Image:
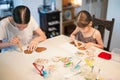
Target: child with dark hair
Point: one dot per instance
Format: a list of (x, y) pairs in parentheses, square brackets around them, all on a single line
[(19, 28), (85, 32)]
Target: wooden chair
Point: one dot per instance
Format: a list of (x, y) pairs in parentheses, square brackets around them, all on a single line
[(102, 26)]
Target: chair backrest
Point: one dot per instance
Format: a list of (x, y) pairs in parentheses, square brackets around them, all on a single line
[(103, 25)]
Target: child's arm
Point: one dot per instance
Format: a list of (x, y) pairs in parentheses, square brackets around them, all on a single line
[(99, 40), (72, 36), (13, 42), (34, 42)]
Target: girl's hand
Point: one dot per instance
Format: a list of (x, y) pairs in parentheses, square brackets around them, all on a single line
[(33, 45), (14, 41), (72, 37), (88, 45)]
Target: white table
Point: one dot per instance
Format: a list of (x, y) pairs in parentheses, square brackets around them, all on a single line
[(15, 65)]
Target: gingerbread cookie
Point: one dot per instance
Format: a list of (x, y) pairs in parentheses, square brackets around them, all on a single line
[(82, 48), (27, 51), (40, 49), (72, 42), (79, 44)]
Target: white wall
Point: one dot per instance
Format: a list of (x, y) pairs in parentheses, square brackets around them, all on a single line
[(17, 2), (93, 6), (114, 12)]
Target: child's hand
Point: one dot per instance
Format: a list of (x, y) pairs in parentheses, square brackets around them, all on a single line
[(33, 45), (88, 45), (72, 37), (14, 41)]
